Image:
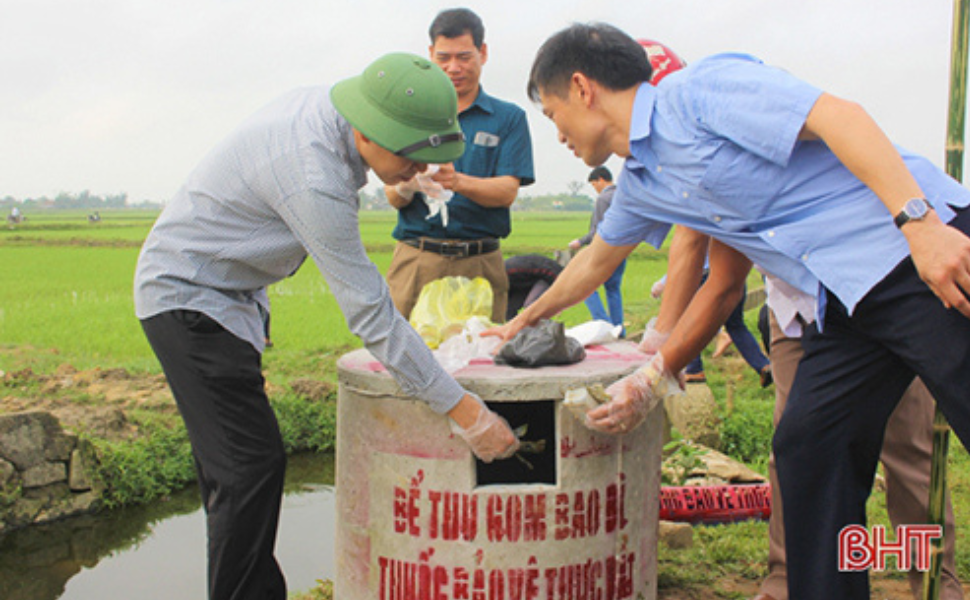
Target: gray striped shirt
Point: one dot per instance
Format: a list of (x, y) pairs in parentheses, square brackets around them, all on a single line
[(603, 202), (283, 185)]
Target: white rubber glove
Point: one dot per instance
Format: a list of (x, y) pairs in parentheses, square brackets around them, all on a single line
[(490, 437), (652, 339), (407, 189), (435, 195), (633, 397), (657, 289)]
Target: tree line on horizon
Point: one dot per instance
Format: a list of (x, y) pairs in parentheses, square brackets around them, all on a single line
[(572, 200)]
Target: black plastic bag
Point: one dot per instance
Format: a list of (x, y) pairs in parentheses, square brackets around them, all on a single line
[(544, 344)]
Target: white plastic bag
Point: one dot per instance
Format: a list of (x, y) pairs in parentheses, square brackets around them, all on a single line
[(459, 350), (591, 333)]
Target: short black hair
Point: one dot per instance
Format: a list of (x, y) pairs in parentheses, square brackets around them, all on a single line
[(456, 22), (600, 51), (600, 172)]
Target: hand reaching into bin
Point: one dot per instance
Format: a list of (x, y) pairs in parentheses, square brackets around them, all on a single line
[(652, 339), (487, 433), (633, 397)]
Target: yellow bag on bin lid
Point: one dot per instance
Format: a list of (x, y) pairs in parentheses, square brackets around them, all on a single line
[(445, 304)]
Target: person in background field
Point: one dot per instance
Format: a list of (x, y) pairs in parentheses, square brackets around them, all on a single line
[(485, 180), (602, 181), (284, 185), (15, 217), (908, 443), (804, 184)]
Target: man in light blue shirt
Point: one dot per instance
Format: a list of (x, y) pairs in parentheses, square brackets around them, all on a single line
[(282, 186), (808, 187)]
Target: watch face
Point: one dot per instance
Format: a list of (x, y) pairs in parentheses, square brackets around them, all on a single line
[(916, 208)]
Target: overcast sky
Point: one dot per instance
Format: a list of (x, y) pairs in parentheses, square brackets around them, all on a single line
[(127, 95)]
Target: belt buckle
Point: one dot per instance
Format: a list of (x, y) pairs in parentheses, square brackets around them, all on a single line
[(454, 249)]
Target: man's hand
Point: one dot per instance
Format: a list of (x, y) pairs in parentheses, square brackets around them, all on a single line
[(633, 397), (446, 176), (941, 253), (575, 245), (486, 433), (942, 257), (652, 339), (509, 330), (401, 195)]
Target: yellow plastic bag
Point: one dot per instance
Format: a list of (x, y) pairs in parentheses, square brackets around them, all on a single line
[(446, 304)]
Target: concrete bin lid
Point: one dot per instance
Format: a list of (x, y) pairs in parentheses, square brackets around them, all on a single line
[(603, 364)]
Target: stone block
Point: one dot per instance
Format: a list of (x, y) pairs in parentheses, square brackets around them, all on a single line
[(24, 435), (73, 505), (676, 536), (59, 445), (24, 510), (7, 472), (81, 470), (695, 415), (44, 474)]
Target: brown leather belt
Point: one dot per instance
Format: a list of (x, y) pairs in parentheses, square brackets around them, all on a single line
[(455, 248)]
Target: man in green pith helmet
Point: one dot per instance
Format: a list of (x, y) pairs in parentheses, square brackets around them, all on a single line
[(285, 185)]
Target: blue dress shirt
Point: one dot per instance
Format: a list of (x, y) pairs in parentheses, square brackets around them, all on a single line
[(715, 147)]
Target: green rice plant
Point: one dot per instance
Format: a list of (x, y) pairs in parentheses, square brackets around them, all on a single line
[(76, 300)]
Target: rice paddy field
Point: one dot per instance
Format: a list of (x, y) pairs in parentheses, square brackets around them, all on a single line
[(66, 289)]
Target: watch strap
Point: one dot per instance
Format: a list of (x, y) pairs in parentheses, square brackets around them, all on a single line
[(905, 216)]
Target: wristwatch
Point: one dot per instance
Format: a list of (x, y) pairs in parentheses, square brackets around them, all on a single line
[(914, 210)]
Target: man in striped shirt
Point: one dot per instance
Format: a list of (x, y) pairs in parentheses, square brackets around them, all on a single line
[(285, 185)]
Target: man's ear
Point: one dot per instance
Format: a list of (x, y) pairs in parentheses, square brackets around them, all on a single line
[(484, 53), (361, 141), (584, 87)]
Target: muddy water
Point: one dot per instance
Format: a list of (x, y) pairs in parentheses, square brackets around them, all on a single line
[(158, 551)]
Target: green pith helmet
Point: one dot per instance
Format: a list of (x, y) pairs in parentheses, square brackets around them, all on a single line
[(405, 104)]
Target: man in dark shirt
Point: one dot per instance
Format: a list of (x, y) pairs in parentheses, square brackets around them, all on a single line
[(463, 239)]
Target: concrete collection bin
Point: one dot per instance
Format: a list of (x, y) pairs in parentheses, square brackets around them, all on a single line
[(419, 518)]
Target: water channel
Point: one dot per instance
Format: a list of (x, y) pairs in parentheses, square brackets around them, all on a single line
[(157, 552)]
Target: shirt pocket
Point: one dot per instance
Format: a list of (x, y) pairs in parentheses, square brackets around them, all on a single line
[(740, 187)]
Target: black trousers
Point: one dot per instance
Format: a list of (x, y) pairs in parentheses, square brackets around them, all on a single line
[(217, 382), (847, 385)]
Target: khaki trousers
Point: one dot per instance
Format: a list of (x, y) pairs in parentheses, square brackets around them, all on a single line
[(906, 456), (412, 269)]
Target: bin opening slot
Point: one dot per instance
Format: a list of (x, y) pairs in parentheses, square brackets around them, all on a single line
[(536, 460)]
